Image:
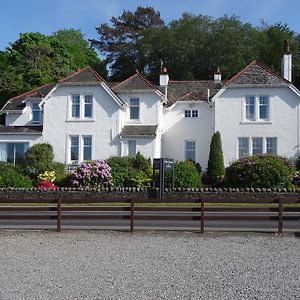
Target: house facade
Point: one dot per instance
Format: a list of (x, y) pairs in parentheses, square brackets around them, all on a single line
[(84, 117)]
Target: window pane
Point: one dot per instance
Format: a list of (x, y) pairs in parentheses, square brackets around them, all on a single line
[(263, 107), (272, 145), (190, 150), (88, 106), (35, 113), (243, 147), (195, 113), (87, 148), (74, 147), (250, 108), (21, 148), (3, 151), (75, 106), (11, 153), (257, 146), (134, 109), (131, 147), (187, 113)]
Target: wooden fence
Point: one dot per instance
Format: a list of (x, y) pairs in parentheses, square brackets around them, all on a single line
[(135, 205)]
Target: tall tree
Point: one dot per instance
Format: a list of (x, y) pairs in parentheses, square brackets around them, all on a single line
[(119, 41)]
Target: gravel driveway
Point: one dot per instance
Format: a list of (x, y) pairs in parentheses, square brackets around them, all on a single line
[(148, 265)]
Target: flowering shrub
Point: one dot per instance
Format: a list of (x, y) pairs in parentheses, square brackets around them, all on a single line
[(47, 176), (92, 174), (47, 184), (260, 171)]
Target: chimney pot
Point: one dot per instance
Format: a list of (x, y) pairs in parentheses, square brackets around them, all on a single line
[(286, 62), (217, 76)]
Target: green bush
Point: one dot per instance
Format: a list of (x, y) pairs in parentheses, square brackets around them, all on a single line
[(297, 163), (10, 176), (260, 171), (131, 171), (38, 159), (215, 168), (187, 175)]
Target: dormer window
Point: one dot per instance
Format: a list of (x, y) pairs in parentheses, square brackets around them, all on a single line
[(36, 113), (134, 109)]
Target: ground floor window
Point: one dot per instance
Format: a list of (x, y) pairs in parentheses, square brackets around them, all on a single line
[(80, 148), (131, 147), (190, 150), (13, 152), (256, 145)]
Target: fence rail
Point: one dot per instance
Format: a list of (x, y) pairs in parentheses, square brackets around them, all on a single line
[(179, 206)]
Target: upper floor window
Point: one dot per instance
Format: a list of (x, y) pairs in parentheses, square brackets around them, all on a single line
[(191, 113), (257, 108), (263, 107), (36, 113), (134, 109), (190, 150), (88, 106), (75, 106), (250, 108), (81, 107), (131, 147)]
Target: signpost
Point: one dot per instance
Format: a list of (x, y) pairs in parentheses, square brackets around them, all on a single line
[(162, 165)]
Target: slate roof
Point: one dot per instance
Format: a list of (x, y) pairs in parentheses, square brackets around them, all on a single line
[(21, 129), (85, 75), (135, 82), (195, 90), (139, 130), (16, 103), (257, 73)]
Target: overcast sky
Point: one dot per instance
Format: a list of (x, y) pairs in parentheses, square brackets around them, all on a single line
[(47, 16)]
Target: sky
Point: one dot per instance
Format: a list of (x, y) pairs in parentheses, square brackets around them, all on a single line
[(47, 16)]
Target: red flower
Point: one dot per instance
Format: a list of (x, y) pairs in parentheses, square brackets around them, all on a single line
[(46, 184)]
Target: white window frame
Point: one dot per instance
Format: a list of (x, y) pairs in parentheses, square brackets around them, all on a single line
[(82, 104), (134, 106), (134, 143), (248, 150), (186, 150), (187, 113), (256, 118), (195, 113), (38, 110), (81, 147)]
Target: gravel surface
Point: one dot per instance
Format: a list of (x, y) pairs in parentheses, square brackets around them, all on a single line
[(148, 265)]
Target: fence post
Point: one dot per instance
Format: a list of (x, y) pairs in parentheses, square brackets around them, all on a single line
[(132, 216), (280, 210), (202, 216), (58, 215)]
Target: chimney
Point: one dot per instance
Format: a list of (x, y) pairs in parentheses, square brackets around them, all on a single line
[(286, 62), (217, 77), (164, 79)]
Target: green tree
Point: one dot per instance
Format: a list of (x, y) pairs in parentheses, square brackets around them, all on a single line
[(119, 41), (215, 167)]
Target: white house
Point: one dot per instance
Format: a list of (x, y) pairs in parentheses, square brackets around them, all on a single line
[(84, 117)]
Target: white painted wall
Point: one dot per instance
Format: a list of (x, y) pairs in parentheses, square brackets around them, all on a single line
[(177, 129), (284, 120), (32, 139), (150, 107), (104, 126), (144, 146)]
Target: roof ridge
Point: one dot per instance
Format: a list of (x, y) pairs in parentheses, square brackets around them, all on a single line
[(79, 71), (31, 91)]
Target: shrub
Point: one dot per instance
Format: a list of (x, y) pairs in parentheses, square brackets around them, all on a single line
[(215, 168), (186, 175), (92, 174), (297, 163), (260, 171), (38, 159), (10, 176), (131, 171)]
